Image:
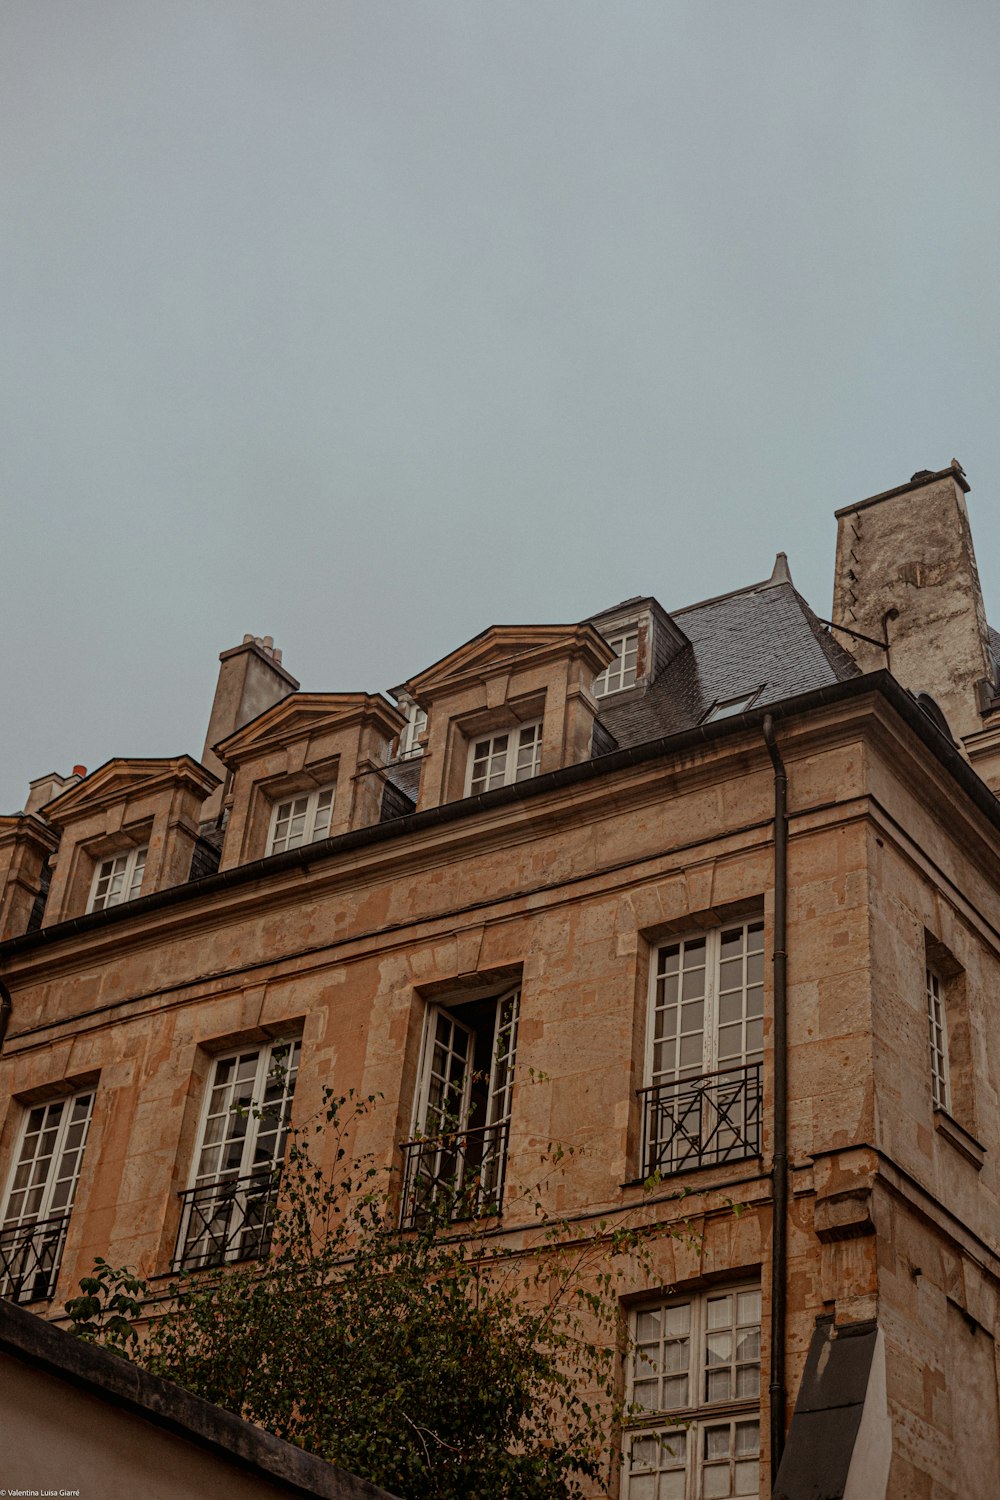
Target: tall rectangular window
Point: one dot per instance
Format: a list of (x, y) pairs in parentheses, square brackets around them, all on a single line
[(498, 759), (457, 1158), (705, 1046), (228, 1209), (40, 1196), (696, 1362), (117, 879), (621, 672), (938, 1028), (301, 820)]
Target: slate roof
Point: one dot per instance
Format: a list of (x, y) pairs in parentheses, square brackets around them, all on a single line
[(763, 637)]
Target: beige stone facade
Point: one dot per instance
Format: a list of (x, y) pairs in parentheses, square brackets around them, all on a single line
[(588, 853)]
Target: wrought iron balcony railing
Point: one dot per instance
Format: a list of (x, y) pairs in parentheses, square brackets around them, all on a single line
[(454, 1176), (702, 1121), (29, 1258), (227, 1219)]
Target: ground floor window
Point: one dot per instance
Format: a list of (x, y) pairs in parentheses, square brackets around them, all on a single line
[(694, 1394)]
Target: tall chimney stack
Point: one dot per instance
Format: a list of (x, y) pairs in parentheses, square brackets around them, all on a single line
[(251, 678), (906, 574)]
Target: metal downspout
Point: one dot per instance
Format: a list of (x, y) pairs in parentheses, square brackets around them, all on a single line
[(6, 1006), (779, 1171)]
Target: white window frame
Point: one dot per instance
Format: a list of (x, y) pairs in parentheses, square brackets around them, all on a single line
[(409, 739), (122, 874), (519, 760), (67, 1122), (438, 1152), (671, 1458), (937, 1021), (702, 1094), (622, 672), (256, 1179), (717, 1017), (316, 815)]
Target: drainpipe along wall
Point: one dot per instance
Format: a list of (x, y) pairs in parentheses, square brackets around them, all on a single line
[(779, 1243), (6, 1006)]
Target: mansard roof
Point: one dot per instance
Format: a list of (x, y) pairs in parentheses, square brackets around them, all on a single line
[(300, 715), (763, 639), (500, 646), (123, 777)]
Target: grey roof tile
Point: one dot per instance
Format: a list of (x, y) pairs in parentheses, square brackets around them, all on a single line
[(765, 637)]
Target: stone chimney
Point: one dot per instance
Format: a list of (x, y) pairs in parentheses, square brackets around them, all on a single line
[(906, 575), (44, 788), (251, 678)]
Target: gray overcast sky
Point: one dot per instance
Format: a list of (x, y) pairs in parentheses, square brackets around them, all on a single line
[(366, 325)]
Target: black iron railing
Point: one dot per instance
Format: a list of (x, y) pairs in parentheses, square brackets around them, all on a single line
[(700, 1122), (229, 1218), (454, 1176), (29, 1258)]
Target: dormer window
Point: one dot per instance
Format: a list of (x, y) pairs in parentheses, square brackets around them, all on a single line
[(499, 759), (621, 672), (117, 879), (725, 708), (409, 740), (301, 820)]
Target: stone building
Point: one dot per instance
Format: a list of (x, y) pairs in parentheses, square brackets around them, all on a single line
[(711, 894)]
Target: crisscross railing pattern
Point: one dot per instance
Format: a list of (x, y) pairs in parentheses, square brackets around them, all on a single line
[(700, 1122), (459, 1175), (228, 1219), (30, 1256)]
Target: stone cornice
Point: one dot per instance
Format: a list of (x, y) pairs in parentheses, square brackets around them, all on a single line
[(506, 648), (30, 829), (122, 778), (301, 715), (826, 715)]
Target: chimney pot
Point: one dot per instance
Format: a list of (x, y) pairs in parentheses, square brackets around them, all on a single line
[(80, 771)]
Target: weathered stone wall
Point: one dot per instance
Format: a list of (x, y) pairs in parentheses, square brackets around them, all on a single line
[(571, 890)]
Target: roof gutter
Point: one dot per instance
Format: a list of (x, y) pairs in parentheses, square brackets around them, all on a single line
[(702, 735)]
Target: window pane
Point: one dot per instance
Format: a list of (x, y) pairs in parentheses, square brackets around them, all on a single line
[(677, 1318), (647, 1326), (748, 1307)]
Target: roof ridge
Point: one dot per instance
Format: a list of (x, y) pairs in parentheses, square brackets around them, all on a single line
[(749, 588)]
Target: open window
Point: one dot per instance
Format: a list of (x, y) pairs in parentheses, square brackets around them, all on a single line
[(456, 1161), (727, 708), (227, 1211), (40, 1196), (409, 744)]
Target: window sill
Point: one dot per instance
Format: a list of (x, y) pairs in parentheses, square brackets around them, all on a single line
[(963, 1142)]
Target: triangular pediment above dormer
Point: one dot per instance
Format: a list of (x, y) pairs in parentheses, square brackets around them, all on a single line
[(302, 715), (502, 647), (118, 780)]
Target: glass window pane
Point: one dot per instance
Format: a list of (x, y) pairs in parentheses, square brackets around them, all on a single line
[(720, 1312), (747, 1438), (715, 1483), (717, 1442), (748, 1307), (677, 1318), (647, 1326)]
